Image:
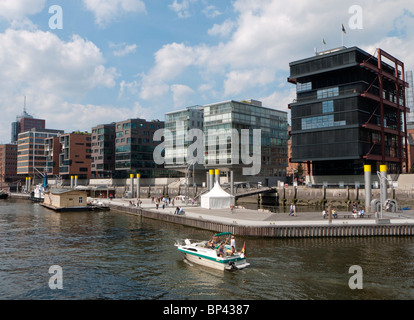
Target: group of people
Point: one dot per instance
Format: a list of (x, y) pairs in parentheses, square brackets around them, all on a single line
[(221, 246), (325, 213), (135, 204), (357, 213), (179, 210), (164, 201)]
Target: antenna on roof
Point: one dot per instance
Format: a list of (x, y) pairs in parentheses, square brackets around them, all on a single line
[(24, 106)]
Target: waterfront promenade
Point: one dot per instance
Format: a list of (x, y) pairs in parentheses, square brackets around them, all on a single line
[(246, 217), (245, 222)]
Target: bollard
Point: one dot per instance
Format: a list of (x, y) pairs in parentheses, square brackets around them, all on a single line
[(217, 172), (211, 172), (368, 184), (384, 186), (138, 185), (131, 185)]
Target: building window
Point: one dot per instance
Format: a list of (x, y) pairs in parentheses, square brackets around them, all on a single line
[(302, 87), (328, 93), (327, 106), (80, 200), (321, 122)]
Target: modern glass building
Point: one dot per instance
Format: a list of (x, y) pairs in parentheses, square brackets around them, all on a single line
[(103, 150), (350, 110), (227, 119), (179, 123), (134, 148)]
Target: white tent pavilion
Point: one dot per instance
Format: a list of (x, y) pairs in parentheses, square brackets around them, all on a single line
[(217, 198)]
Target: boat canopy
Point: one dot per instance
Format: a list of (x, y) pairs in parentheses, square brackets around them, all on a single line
[(222, 234)]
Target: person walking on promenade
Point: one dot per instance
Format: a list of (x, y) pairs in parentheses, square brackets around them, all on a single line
[(292, 210)]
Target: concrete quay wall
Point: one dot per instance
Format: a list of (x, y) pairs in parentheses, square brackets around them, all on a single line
[(276, 231)]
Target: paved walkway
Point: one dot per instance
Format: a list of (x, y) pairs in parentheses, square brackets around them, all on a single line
[(259, 218)]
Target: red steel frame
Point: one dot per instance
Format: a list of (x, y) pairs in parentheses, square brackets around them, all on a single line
[(401, 109)]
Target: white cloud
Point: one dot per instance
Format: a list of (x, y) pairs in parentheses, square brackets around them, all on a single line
[(239, 81), (106, 11), (47, 70), (266, 35), (181, 94), (279, 99), (18, 9), (211, 11), (223, 30), (72, 116), (42, 61), (170, 61), (181, 8), (122, 49)]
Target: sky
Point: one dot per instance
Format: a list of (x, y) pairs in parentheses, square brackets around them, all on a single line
[(81, 63)]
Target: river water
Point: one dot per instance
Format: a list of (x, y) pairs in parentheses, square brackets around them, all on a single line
[(109, 255)]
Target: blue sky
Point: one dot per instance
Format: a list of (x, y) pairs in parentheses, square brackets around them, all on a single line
[(119, 59)]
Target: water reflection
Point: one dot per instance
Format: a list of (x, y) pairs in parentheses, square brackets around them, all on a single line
[(109, 255)]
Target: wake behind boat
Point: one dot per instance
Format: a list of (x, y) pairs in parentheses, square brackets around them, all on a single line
[(214, 254)]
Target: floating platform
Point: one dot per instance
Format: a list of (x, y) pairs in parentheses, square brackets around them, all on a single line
[(71, 209)]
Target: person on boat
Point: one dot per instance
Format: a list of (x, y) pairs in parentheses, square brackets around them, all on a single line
[(220, 250), (209, 244), (215, 242), (233, 242), (231, 252)]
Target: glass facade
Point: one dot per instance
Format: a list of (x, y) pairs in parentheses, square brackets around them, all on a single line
[(229, 118), (179, 123), (134, 148)]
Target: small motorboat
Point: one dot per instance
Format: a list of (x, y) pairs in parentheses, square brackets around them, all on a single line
[(38, 194), (208, 253)]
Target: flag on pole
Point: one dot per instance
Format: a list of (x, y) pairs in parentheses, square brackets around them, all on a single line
[(343, 29), (323, 41), (244, 249)]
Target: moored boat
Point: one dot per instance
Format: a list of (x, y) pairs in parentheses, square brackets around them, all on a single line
[(214, 254), (38, 194), (3, 194)]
